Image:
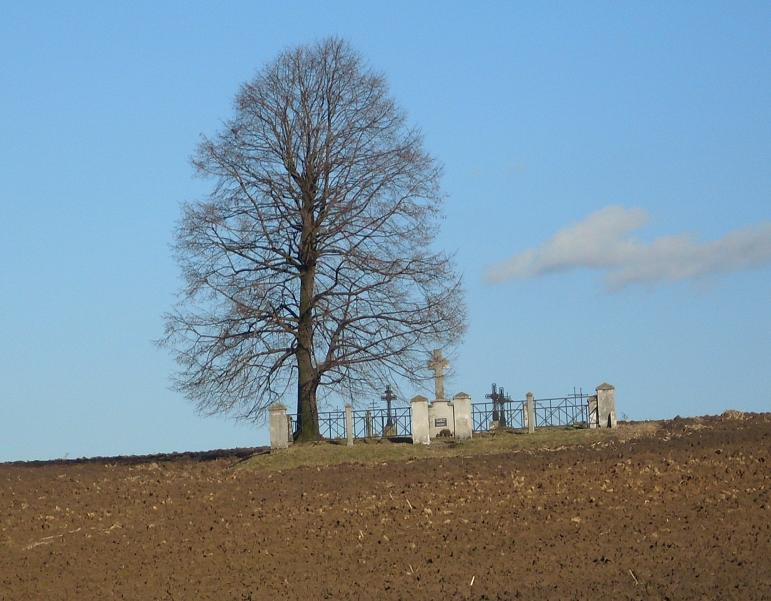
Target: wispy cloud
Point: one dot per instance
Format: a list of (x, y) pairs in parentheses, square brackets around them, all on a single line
[(604, 242)]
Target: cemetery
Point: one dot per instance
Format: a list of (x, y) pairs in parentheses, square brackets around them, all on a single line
[(458, 418), (544, 188)]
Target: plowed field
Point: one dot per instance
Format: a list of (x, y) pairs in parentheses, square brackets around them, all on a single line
[(677, 510)]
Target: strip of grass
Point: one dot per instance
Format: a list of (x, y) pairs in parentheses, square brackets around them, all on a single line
[(374, 451)]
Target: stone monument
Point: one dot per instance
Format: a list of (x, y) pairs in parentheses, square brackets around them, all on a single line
[(440, 412), (441, 417)]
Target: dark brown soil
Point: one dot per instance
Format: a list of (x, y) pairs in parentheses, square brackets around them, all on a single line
[(681, 514)]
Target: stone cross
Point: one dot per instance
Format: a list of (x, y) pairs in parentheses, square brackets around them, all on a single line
[(438, 364)]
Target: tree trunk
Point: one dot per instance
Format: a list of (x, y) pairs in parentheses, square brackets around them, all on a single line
[(307, 378), (307, 410), (307, 381)]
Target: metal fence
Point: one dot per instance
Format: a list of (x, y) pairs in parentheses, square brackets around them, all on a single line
[(567, 410), (377, 423), (514, 414), (332, 424), (481, 416), (367, 423), (507, 414), (562, 411)]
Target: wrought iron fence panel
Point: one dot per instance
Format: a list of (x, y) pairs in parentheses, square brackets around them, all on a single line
[(367, 423), (363, 425), (561, 411), (484, 414), (376, 423), (481, 416), (514, 414), (558, 411), (332, 424), (402, 421)]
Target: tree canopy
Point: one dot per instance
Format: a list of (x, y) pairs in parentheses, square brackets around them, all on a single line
[(309, 266)]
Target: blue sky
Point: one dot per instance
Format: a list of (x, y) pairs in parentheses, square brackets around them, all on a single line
[(544, 116)]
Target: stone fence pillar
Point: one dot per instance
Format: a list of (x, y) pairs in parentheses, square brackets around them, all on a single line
[(420, 422), (349, 424), (279, 426), (530, 412), (591, 410), (606, 405), (461, 402), (369, 424)]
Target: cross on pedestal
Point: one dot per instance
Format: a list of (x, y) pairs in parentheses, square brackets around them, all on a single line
[(388, 396), (438, 364)]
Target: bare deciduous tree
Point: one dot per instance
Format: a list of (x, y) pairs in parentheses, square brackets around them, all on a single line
[(309, 263)]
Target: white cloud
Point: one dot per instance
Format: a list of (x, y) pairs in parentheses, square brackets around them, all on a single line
[(603, 241)]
